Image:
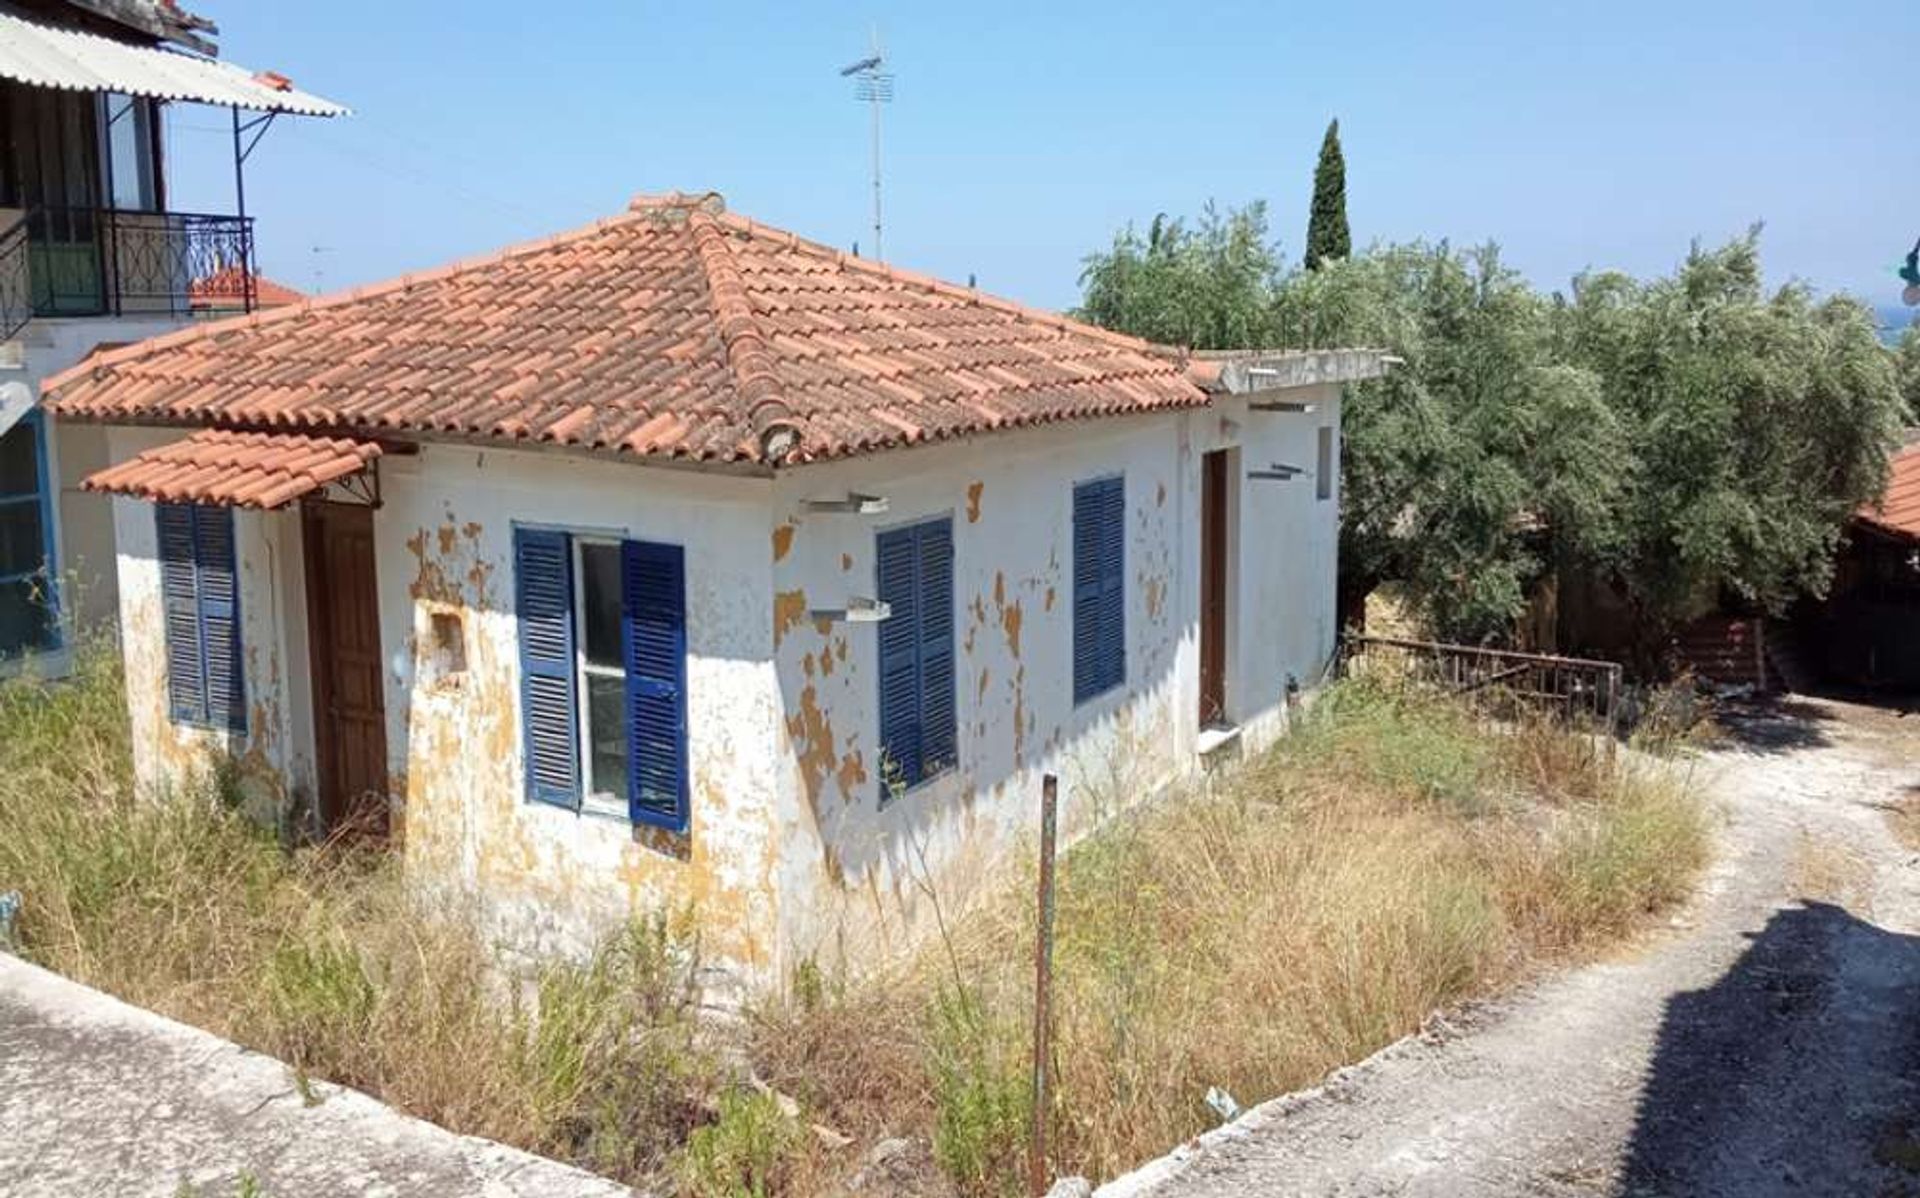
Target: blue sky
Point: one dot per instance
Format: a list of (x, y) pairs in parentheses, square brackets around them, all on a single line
[(1023, 134)]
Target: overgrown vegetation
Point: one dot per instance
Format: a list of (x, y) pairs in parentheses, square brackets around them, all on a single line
[(1391, 857), (323, 958), (1673, 439)]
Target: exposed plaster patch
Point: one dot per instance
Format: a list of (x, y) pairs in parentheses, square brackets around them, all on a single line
[(846, 562), (1050, 598), (973, 501), (783, 541), (789, 608)]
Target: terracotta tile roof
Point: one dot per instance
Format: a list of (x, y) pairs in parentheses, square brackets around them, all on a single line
[(675, 329), (1899, 508), (223, 289), (257, 470)]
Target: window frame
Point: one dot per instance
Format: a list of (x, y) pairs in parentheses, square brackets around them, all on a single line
[(237, 716), (48, 571), (916, 529), (1326, 463), (633, 807), (592, 798), (1092, 690)]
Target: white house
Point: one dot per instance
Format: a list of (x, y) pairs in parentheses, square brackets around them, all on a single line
[(93, 250), (679, 561)]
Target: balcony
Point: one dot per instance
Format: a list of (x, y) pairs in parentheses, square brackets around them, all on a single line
[(110, 262)]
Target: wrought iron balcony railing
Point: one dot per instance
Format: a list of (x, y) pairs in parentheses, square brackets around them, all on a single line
[(103, 261), (16, 293)]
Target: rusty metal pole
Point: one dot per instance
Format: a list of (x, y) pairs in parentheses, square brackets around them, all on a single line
[(1042, 987)]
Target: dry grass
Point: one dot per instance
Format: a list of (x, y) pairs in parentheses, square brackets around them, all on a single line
[(323, 958), (1390, 858)]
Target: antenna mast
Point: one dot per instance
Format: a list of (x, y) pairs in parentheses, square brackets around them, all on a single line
[(873, 84)]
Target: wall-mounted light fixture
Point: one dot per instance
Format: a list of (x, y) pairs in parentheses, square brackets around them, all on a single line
[(859, 610), (854, 504), (1278, 472)]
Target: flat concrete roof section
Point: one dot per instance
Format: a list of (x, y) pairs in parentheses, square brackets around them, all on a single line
[(105, 1099)]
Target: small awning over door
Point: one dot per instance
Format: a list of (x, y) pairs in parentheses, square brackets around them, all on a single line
[(236, 469)]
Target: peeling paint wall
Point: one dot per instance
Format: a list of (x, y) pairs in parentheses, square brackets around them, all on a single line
[(861, 876), (444, 546), (792, 852), (271, 765)]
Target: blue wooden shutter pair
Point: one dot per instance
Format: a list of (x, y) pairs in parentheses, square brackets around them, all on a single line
[(918, 725), (654, 643), (200, 601), (1099, 587)]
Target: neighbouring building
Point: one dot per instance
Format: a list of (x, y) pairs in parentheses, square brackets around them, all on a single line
[(677, 561), (93, 251), (1866, 630)]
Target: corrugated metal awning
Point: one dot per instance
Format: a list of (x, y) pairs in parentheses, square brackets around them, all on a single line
[(235, 469), (47, 56)]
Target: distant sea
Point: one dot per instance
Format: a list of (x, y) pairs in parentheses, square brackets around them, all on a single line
[(1893, 320)]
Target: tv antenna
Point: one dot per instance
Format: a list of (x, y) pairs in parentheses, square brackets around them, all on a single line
[(873, 84)]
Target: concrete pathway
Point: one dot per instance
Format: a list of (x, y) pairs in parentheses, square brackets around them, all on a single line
[(1767, 1043), (99, 1099)]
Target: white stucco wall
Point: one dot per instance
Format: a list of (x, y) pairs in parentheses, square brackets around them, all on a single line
[(791, 853), (444, 543), (274, 778), (858, 876)]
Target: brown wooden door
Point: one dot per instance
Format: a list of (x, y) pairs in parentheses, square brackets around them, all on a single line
[(343, 629), (1213, 588)]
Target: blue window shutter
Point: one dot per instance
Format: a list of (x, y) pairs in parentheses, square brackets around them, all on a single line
[(900, 715), (937, 719), (219, 614), (543, 594), (180, 610), (654, 640), (1113, 585), (1099, 587)]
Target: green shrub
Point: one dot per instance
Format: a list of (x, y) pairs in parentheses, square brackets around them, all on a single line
[(749, 1151)]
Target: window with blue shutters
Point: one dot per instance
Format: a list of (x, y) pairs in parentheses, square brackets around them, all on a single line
[(1099, 587), (200, 601), (918, 724), (603, 674)]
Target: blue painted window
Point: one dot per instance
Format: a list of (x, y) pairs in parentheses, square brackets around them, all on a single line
[(918, 732), (603, 693), (1099, 587), (200, 601), (28, 618)]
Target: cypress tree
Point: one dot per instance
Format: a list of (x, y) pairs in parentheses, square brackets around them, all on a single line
[(1327, 233)]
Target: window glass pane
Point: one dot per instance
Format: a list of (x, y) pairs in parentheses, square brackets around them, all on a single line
[(607, 734), (19, 461), (130, 142), (24, 623), (20, 549), (600, 601)]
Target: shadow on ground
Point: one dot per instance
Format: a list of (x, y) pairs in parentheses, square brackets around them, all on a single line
[(1798, 1072), (1776, 724)]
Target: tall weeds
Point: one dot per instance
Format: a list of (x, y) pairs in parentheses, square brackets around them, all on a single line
[(1389, 857)]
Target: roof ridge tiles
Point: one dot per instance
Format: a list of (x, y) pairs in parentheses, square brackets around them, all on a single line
[(755, 378)]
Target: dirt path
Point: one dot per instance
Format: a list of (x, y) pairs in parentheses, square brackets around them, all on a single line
[(1767, 1043)]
